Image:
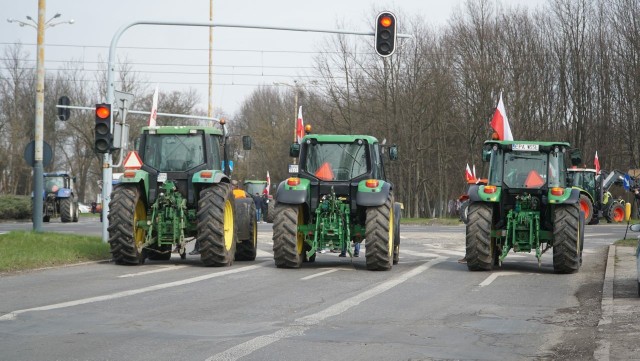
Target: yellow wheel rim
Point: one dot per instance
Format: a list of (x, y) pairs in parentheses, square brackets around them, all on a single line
[(228, 225), (300, 235), (139, 233)]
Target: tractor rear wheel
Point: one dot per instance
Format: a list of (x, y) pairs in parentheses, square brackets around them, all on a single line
[(587, 208), (480, 247), (216, 229), (66, 210), (271, 211), (247, 239), (288, 242), (615, 213), (126, 208), (397, 214), (380, 235), (566, 238)]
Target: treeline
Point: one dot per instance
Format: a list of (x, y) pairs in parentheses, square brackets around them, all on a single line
[(569, 71)]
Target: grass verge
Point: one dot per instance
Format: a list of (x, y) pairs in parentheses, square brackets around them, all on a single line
[(629, 242), (23, 250)]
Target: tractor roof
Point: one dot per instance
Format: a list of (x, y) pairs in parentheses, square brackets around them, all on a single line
[(337, 138), (590, 170), (182, 129)]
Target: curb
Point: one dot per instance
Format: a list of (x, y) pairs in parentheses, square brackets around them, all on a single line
[(603, 350)]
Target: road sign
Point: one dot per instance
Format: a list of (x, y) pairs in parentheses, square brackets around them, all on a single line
[(30, 153)]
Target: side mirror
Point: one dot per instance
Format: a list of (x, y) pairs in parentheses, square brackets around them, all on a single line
[(294, 151), (136, 144), (246, 142), (393, 152), (486, 155)]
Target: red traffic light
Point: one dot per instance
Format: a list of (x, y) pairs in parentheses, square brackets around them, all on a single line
[(103, 112), (385, 21)]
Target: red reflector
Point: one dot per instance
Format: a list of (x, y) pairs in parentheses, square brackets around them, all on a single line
[(372, 183), (102, 112), (206, 174), (293, 181), (129, 174), (490, 189), (557, 191)]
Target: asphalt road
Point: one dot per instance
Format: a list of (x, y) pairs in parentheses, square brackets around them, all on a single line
[(427, 307)]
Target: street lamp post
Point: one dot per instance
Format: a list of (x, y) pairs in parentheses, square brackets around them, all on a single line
[(38, 167)]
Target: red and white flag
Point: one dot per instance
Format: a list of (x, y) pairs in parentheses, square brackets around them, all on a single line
[(268, 183), (469, 175), (500, 122), (154, 109), (596, 161), (299, 126), (474, 172)]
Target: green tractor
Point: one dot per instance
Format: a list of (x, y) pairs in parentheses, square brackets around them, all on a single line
[(254, 187), (339, 195), (596, 201), (181, 194), (525, 206)]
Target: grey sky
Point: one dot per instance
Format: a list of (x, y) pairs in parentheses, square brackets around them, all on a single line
[(242, 57)]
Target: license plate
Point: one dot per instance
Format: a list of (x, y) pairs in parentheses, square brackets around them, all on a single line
[(526, 147), (293, 168), (162, 177)]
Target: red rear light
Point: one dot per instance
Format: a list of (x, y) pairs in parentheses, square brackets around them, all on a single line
[(294, 181), (206, 174), (372, 183), (129, 174), (490, 189), (557, 191)]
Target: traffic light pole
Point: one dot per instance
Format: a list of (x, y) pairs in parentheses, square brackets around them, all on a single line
[(107, 170)]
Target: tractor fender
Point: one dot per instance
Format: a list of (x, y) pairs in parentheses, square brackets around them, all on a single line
[(473, 193), (574, 197), (210, 177), (293, 194), (140, 176), (369, 197)]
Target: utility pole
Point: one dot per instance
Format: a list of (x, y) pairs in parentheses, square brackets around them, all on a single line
[(38, 166)]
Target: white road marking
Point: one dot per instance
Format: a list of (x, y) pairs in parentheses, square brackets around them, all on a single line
[(495, 275), (320, 274), (302, 324), (162, 269), (13, 314)]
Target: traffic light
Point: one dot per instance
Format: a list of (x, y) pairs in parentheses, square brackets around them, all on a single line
[(64, 113), (385, 33), (104, 138)]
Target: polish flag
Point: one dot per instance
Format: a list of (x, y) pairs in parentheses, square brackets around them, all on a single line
[(268, 183), (154, 109), (596, 161), (500, 122), (469, 175), (299, 126)]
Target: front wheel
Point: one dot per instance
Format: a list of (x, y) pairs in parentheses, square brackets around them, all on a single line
[(66, 210), (379, 236), (615, 213), (288, 242), (216, 226), (587, 207), (126, 239)]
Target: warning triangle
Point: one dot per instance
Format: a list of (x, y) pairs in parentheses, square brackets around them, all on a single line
[(132, 161), (534, 180)]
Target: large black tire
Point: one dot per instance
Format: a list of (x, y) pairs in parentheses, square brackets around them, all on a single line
[(66, 210), (271, 211), (587, 207), (464, 212), (480, 247), (379, 235), (247, 229), (397, 213), (288, 243), (566, 238), (76, 212), (125, 238), (615, 212), (217, 234)]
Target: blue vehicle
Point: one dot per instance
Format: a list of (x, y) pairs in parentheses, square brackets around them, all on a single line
[(60, 199)]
